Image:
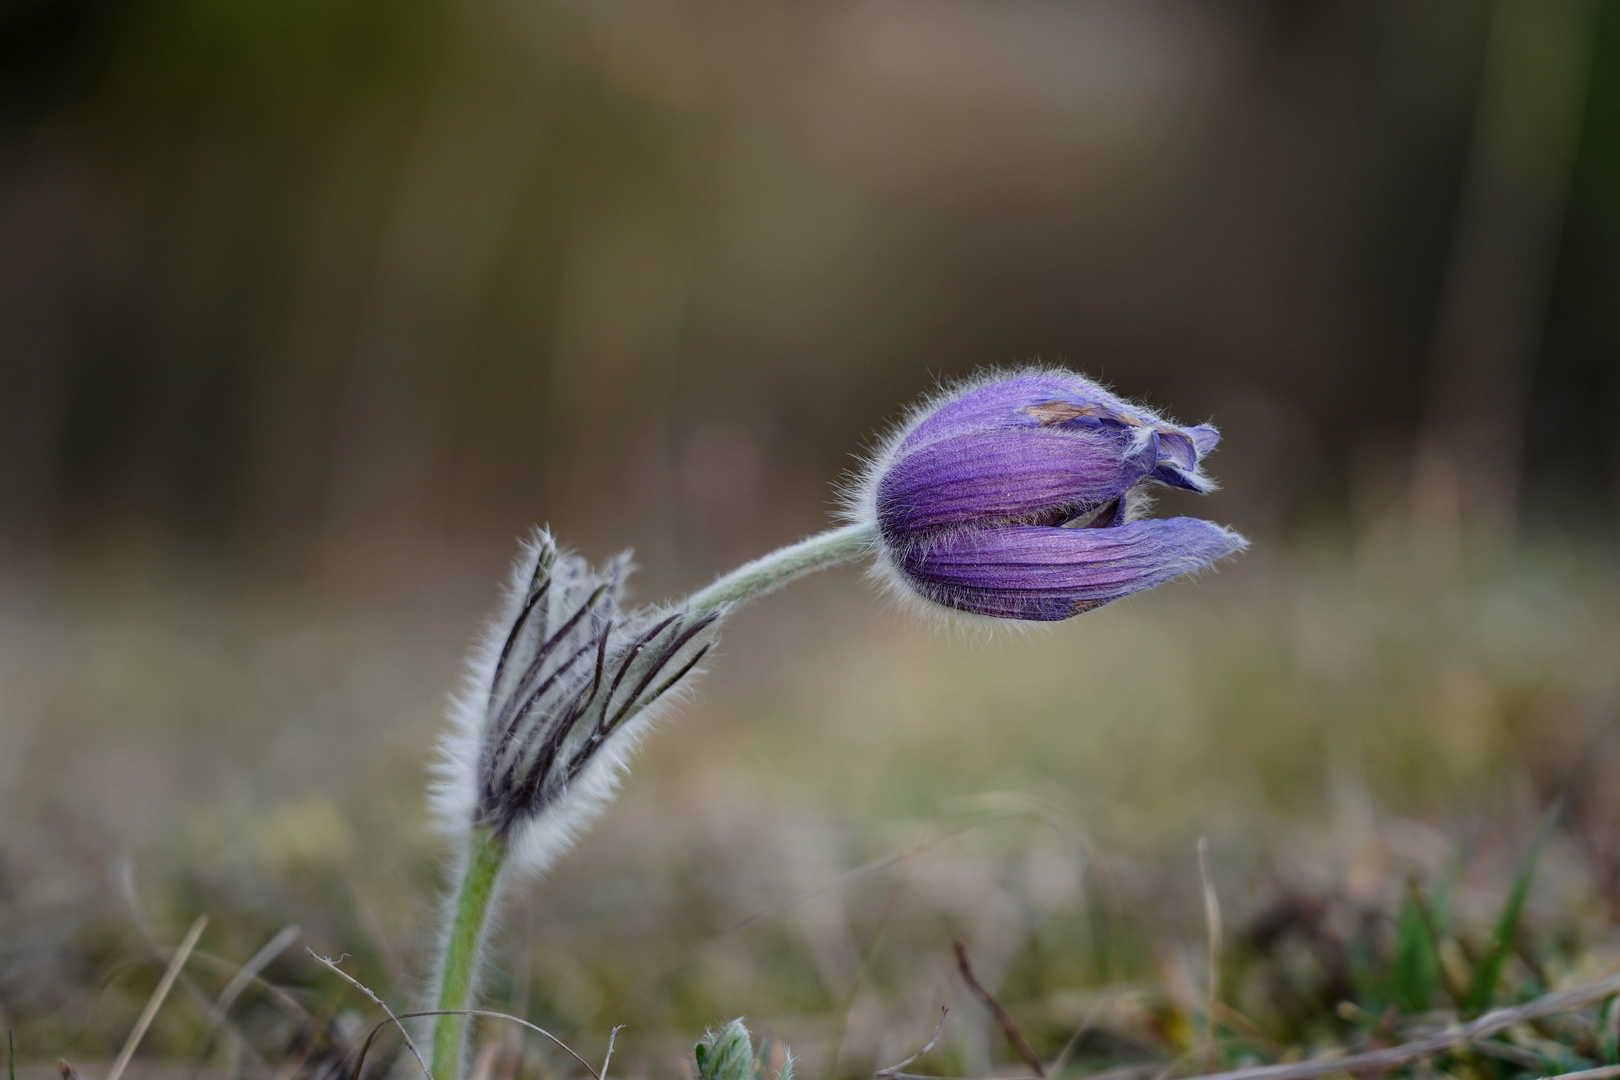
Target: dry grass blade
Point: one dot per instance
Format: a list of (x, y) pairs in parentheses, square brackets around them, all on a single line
[(608, 1057), (247, 973), (297, 1062), (1005, 1021), (155, 1002), (1501, 1051), (366, 1047), (1248, 1030), (1212, 921), (240, 980), (939, 1029), (1081, 1029), (1492, 1022), (381, 1004), (201, 957)]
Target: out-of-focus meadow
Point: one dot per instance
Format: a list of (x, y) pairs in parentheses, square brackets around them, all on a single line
[(307, 310)]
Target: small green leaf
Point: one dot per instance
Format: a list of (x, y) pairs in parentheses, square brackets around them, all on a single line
[(1489, 972), (1416, 969)]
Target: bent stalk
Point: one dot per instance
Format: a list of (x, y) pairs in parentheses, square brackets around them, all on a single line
[(783, 565)]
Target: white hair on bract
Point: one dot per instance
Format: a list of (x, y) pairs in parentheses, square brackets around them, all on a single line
[(536, 838)]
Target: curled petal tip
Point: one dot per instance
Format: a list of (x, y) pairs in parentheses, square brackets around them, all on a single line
[(1205, 438)]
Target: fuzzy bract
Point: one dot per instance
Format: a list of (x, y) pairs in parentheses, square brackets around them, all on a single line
[(556, 696), (1019, 497), (728, 1054)]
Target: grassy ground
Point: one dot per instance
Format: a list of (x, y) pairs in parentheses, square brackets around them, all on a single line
[(1367, 740)]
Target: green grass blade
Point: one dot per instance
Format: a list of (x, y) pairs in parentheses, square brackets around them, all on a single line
[(1415, 973), (11, 1057), (1489, 971), (762, 1060)]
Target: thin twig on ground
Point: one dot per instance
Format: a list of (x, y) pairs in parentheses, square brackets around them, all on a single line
[(1492, 1022), (1008, 1028), (365, 1047), (939, 1029), (1122, 1072), (381, 1004), (155, 1002)]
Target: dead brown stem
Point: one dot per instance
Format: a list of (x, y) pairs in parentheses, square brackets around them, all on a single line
[(1008, 1028)]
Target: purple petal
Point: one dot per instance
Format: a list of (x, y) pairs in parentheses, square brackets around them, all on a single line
[(1028, 401), (1046, 574), (1064, 402), (1000, 476), (1177, 449), (1204, 438)]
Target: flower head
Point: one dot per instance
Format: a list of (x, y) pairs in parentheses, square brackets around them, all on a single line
[(556, 696), (1019, 497)]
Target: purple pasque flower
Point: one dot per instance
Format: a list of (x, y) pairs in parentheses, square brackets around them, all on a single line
[(1020, 497)]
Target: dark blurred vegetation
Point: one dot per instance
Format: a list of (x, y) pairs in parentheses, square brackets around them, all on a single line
[(306, 309), (288, 282)]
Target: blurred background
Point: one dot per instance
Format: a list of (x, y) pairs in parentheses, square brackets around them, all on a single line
[(308, 309)]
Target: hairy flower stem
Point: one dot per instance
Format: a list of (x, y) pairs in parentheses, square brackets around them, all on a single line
[(783, 565), (485, 854)]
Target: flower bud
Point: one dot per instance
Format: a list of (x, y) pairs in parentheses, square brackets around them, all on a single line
[(1020, 497), (728, 1054), (556, 696)]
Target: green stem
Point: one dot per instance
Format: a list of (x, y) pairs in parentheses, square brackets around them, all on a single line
[(485, 855), (783, 565)]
